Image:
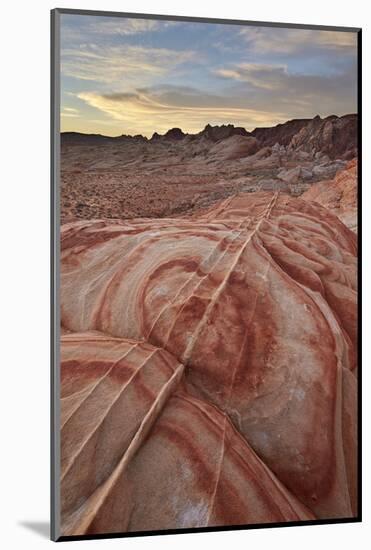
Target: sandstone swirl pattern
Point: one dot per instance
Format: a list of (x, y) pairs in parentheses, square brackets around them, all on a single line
[(208, 368)]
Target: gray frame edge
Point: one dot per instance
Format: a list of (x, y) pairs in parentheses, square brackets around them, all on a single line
[(308, 26), (54, 282)]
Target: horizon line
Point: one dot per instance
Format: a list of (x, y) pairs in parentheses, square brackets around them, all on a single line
[(208, 124)]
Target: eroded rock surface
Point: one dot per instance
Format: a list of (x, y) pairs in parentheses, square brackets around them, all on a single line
[(209, 368), (141, 453), (339, 194)]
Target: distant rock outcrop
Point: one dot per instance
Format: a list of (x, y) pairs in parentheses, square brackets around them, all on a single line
[(79, 138), (217, 133), (334, 136), (175, 134), (209, 368), (282, 133)]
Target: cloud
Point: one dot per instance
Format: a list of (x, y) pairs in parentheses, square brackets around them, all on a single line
[(123, 26), (279, 40), (84, 28), (114, 64), (70, 112), (299, 95), (128, 27), (278, 78), (265, 76), (147, 110)]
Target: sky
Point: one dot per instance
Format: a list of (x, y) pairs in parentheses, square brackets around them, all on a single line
[(139, 76)]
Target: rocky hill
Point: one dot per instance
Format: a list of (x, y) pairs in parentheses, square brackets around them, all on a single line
[(281, 134), (333, 136), (130, 176)]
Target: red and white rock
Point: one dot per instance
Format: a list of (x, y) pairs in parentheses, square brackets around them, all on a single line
[(338, 195), (211, 379)]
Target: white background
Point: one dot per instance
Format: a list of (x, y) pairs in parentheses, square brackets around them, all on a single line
[(24, 218)]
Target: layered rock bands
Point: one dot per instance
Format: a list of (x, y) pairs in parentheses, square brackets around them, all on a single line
[(208, 368)]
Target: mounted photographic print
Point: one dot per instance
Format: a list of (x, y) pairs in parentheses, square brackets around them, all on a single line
[(204, 274)]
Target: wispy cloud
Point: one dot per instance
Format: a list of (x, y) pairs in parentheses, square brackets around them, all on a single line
[(295, 93), (70, 112), (279, 78), (147, 110), (77, 28), (129, 27), (124, 27), (270, 40), (114, 64), (269, 77)]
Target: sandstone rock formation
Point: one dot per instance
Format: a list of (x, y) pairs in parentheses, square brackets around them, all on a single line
[(174, 134), (234, 147), (281, 133), (139, 452), (217, 133), (338, 195), (290, 176), (208, 368), (334, 136)]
